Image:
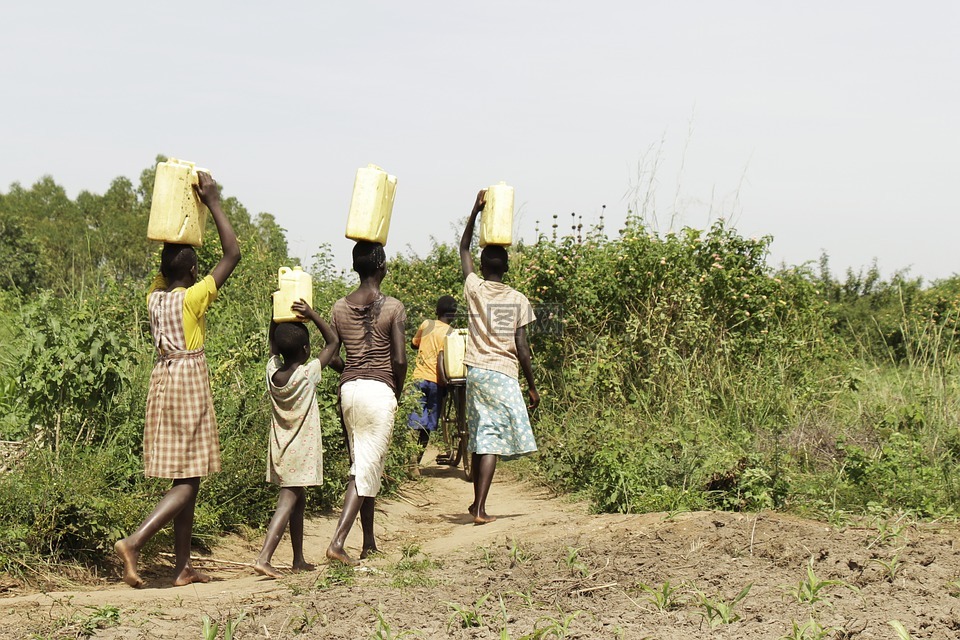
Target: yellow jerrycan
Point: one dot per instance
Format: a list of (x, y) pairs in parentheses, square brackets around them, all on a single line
[(454, 348), (176, 213), (294, 284), (496, 221), (371, 205)]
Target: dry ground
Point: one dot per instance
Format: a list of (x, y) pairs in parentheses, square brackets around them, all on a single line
[(546, 569)]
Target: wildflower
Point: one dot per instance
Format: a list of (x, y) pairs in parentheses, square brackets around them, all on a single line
[(717, 265), (663, 261)]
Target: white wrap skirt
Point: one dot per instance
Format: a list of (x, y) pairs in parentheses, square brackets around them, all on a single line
[(368, 408)]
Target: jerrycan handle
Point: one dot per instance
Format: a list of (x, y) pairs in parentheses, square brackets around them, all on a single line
[(283, 271)]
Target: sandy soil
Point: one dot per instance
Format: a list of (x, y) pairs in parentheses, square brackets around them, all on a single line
[(547, 568)]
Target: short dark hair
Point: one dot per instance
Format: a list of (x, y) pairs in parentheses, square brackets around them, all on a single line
[(494, 259), (290, 338), (176, 260), (368, 257), (446, 305)]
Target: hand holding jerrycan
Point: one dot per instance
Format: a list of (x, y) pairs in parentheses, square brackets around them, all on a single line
[(176, 213), (294, 284), (496, 223), (371, 205)]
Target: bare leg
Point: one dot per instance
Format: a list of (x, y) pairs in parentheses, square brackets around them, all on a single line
[(286, 501), (351, 507), (181, 494), (484, 465), (366, 523), (182, 535), (296, 532)]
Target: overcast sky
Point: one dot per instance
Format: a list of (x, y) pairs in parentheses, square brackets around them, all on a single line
[(830, 126)]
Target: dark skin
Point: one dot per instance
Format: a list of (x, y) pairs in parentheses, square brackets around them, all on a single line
[(179, 503), (485, 464), (292, 501), (353, 502)]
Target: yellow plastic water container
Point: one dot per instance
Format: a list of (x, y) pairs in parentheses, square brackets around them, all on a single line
[(371, 205), (176, 213), (295, 284), (454, 348), (496, 221)]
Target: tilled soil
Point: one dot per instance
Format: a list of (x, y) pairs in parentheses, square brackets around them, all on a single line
[(547, 568)]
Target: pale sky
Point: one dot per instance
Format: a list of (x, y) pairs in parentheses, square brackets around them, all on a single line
[(831, 126)]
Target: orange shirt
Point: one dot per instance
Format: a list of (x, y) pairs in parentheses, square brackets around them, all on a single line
[(429, 342)]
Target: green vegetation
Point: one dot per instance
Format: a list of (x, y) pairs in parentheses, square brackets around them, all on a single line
[(678, 371)]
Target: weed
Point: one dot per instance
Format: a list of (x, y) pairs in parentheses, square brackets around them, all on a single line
[(717, 611), (335, 575), (663, 598), (306, 620), (412, 567)]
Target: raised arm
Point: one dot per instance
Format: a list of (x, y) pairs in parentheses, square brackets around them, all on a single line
[(466, 258), (273, 345), (332, 347), (210, 195), (526, 365)]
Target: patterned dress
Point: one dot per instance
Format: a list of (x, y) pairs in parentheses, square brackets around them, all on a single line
[(180, 438), (295, 456)]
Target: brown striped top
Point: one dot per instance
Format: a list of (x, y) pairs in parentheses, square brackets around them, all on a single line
[(365, 332)]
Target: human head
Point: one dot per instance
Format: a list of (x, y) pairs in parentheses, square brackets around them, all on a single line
[(446, 308), (178, 262), (369, 258), (292, 340), (493, 260)]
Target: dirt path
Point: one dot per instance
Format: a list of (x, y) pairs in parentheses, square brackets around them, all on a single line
[(546, 568)]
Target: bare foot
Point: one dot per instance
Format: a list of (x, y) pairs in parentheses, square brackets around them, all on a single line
[(482, 518), (303, 566), (472, 510), (266, 569), (341, 556), (129, 558), (189, 575), (366, 552)]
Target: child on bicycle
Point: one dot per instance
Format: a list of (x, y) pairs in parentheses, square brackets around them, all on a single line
[(429, 343), (295, 456)]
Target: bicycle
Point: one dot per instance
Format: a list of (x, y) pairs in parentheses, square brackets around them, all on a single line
[(453, 427)]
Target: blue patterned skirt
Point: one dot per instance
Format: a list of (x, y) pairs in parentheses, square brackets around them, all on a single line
[(497, 415)]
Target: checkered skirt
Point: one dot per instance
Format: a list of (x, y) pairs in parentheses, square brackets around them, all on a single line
[(180, 438)]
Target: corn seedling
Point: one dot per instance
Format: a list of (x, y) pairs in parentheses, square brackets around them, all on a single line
[(891, 567), (383, 630), (718, 611), (573, 563), (810, 630), (554, 627), (518, 555), (663, 598), (953, 588), (809, 590), (901, 630), (466, 617)]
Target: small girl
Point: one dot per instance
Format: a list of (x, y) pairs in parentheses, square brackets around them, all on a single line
[(295, 458)]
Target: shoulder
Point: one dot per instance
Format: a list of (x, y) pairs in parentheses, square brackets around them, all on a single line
[(273, 364)]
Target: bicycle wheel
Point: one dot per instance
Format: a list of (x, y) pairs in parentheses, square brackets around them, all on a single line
[(464, 434), (450, 455), (453, 398)]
